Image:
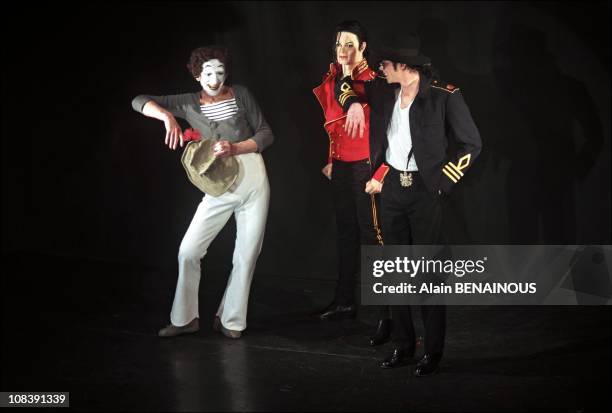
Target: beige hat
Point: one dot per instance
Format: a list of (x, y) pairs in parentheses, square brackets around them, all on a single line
[(211, 175)]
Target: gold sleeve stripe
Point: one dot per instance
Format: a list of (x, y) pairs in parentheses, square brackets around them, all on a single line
[(342, 99), (344, 96), (449, 176), (453, 173), (448, 173), (454, 168), (348, 92)]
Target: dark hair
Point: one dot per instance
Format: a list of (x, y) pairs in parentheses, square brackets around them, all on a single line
[(351, 26), (425, 71), (203, 54)]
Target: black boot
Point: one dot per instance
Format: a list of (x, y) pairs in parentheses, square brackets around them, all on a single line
[(397, 358), (428, 365), (383, 332)]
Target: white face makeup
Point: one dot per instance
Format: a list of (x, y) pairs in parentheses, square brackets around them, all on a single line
[(212, 77)]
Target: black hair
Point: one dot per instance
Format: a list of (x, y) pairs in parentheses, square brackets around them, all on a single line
[(425, 71)]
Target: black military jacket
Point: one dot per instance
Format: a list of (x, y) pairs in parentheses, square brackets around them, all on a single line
[(437, 115)]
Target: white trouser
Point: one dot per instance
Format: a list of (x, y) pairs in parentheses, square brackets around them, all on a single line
[(248, 199)]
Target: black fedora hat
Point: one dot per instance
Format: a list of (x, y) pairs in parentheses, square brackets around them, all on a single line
[(405, 50)]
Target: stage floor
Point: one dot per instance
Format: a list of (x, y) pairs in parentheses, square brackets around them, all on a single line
[(90, 328)]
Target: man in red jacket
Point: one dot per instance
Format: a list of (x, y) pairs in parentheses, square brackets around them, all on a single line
[(349, 168)]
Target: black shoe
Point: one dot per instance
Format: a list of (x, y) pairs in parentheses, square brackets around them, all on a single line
[(428, 365), (336, 312), (383, 332), (398, 358)]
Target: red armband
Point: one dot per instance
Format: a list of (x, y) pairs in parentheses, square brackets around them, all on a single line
[(381, 172)]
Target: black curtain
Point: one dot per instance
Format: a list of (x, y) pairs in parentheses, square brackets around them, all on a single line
[(84, 175)]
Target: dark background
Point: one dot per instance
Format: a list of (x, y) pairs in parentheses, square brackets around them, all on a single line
[(85, 176), (94, 206)]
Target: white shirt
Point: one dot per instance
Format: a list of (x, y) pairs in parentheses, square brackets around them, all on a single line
[(400, 140)]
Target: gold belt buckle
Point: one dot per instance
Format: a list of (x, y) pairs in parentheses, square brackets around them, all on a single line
[(406, 179)]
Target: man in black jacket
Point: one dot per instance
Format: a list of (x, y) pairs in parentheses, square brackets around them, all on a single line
[(413, 118)]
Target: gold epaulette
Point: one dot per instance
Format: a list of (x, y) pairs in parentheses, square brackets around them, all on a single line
[(447, 87)]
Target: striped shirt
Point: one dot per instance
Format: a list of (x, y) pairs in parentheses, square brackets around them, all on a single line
[(220, 110)]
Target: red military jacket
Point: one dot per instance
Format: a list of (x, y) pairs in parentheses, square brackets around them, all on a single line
[(342, 146)]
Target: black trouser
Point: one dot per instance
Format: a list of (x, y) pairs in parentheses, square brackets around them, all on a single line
[(356, 220), (413, 215)]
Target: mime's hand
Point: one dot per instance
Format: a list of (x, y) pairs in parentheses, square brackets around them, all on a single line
[(223, 149), (174, 133)]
